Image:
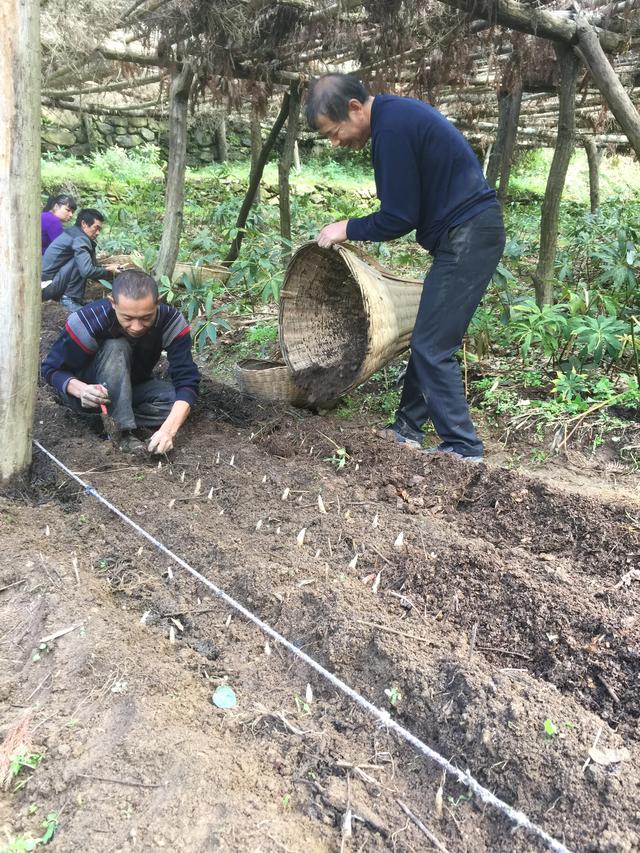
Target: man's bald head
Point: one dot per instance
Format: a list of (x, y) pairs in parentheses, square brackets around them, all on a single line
[(330, 95)]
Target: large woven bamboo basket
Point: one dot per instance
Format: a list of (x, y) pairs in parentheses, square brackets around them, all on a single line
[(342, 317), (269, 380)]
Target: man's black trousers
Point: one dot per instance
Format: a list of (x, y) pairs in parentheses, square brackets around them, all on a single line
[(464, 261)]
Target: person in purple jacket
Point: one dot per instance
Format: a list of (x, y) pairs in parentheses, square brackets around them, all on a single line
[(58, 209), (427, 179), (106, 356)]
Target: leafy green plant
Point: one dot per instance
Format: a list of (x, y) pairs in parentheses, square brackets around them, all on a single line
[(619, 261), (538, 455), (23, 760), (339, 458), (50, 825), (259, 270), (394, 696), (531, 379), (302, 706), (194, 296), (550, 728), (597, 337), (206, 245), (43, 649), (22, 844), (458, 801), (570, 387), (262, 336), (543, 326)]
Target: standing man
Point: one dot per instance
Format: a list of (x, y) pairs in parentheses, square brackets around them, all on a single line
[(71, 259), (106, 356), (427, 179)]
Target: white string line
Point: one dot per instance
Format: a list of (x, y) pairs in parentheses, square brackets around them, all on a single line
[(464, 777)]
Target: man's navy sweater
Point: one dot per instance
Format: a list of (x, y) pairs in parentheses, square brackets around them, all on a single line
[(427, 176), (88, 328)]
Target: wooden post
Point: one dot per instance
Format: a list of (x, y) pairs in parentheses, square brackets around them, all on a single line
[(285, 163), (509, 142), (495, 159), (543, 277), (256, 147), (20, 251), (594, 155), (254, 181), (221, 139), (174, 195)]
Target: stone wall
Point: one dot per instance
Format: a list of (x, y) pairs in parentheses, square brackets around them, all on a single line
[(65, 133)]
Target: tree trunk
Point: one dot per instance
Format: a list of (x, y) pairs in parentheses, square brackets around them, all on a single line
[(509, 143), (174, 196), (256, 147), (221, 139), (20, 304), (254, 181), (285, 163), (495, 160), (543, 277), (608, 82), (594, 155)]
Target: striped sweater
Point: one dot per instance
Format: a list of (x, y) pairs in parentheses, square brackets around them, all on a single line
[(86, 329)]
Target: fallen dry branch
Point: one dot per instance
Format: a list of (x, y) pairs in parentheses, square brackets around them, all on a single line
[(432, 838)]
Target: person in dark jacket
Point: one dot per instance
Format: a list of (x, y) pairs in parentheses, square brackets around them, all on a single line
[(106, 356), (71, 259), (427, 179), (58, 209)]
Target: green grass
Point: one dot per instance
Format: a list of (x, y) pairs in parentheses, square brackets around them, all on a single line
[(619, 176)]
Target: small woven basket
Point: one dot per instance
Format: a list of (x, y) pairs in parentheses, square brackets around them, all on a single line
[(342, 317), (269, 380)]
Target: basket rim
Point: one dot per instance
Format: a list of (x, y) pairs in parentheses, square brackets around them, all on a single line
[(255, 364)]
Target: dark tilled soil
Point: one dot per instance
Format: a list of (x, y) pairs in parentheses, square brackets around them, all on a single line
[(501, 602)]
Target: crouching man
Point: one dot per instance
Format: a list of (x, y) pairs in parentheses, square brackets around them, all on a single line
[(106, 355)]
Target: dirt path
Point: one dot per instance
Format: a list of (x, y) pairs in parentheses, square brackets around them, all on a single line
[(501, 604)]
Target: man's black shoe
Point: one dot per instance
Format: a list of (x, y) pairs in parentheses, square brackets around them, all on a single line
[(391, 433), (447, 448), (71, 304)]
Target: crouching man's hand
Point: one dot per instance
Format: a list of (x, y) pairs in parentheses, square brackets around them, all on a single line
[(161, 441), (93, 396)]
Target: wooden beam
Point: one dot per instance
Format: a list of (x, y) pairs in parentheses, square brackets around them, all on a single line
[(94, 109), (593, 56), (535, 22), (107, 87)]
